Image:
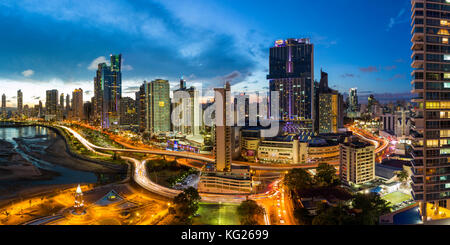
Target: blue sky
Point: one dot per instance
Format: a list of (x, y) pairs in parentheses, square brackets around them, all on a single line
[(56, 44)]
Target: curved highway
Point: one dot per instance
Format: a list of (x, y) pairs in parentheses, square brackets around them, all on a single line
[(141, 177)]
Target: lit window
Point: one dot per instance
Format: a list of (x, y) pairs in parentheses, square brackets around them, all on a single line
[(445, 40), (445, 151), (443, 32), (445, 114), (445, 133), (446, 75), (446, 56), (432, 143)]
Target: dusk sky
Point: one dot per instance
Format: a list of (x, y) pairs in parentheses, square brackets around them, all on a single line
[(56, 44)]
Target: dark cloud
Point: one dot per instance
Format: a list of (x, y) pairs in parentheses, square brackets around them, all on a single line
[(348, 75), (395, 77), (369, 69), (390, 68)]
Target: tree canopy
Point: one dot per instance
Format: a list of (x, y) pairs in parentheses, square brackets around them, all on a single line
[(186, 203), (326, 175), (249, 211), (298, 179)]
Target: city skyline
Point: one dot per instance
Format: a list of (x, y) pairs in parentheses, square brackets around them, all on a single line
[(69, 61)]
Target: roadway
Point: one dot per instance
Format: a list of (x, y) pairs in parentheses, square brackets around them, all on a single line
[(141, 177)]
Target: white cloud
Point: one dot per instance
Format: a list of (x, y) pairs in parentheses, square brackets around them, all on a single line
[(399, 19), (94, 64), (127, 68), (28, 73)]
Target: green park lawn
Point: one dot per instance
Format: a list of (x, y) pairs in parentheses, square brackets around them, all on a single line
[(217, 214), (396, 197)]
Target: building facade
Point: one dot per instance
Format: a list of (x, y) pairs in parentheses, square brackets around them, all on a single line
[(222, 142), (357, 162), (51, 104), (108, 92), (431, 86), (77, 105), (154, 106), (19, 102), (291, 73)]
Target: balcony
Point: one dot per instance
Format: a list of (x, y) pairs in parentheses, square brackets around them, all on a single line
[(416, 181)]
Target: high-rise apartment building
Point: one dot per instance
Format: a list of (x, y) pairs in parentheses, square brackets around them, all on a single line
[(19, 102), (128, 112), (77, 104), (291, 73), (187, 108), (222, 142), (51, 104), (67, 103), (3, 105), (329, 107), (108, 92), (154, 109), (357, 162), (431, 86)]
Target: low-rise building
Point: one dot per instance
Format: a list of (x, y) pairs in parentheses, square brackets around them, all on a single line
[(282, 150), (236, 181), (357, 162)]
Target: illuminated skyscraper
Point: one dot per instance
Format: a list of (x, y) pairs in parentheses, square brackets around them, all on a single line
[(431, 86), (19, 102), (154, 109), (3, 105), (77, 104), (128, 112), (291, 72), (222, 142), (329, 107), (108, 92), (188, 110), (51, 104), (353, 105)]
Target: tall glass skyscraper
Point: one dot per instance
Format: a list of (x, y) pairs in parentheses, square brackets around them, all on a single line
[(19, 102), (431, 123), (291, 72), (154, 106), (108, 92), (51, 104)]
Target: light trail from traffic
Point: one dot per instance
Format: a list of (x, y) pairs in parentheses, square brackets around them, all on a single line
[(141, 177)]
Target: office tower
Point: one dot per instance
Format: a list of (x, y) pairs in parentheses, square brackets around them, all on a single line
[(61, 100), (222, 142), (3, 105), (431, 83), (77, 104), (41, 109), (160, 93), (357, 162), (241, 105), (182, 83), (154, 111), (188, 118), (353, 99), (291, 73), (67, 102), (51, 104), (88, 111), (128, 112), (329, 107), (107, 92), (19, 102)]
